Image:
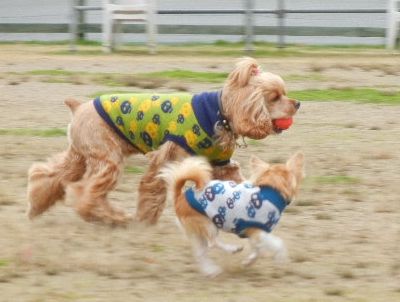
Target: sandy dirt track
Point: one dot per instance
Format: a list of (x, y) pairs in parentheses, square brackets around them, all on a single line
[(343, 233)]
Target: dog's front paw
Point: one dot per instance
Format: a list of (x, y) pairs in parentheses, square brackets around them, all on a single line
[(281, 256), (232, 249), (211, 271), (236, 249), (250, 259)]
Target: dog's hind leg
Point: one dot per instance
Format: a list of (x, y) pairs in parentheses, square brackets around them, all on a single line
[(91, 192), (152, 189), (200, 251), (47, 181)]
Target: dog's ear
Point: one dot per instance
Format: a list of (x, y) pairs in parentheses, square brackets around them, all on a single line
[(253, 119), (296, 165), (244, 70), (258, 164)]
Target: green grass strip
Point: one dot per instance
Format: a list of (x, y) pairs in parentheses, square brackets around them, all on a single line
[(334, 180), (52, 72), (4, 262), (134, 170), (103, 92), (360, 95), (179, 74), (52, 132), (188, 75)]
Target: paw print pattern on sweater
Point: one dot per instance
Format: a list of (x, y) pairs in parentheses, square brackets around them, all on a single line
[(205, 143), (218, 220), (140, 115), (156, 119), (147, 138), (256, 201), (230, 203), (119, 121), (236, 195), (203, 202), (174, 115), (126, 107), (272, 220), (180, 119), (196, 130), (212, 191), (251, 212), (166, 106)]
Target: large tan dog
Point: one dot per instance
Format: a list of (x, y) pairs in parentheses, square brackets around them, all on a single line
[(249, 102)]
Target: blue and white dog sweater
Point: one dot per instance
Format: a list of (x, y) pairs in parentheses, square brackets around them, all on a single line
[(235, 207)]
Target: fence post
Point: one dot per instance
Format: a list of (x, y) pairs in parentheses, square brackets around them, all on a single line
[(249, 26), (81, 20), (281, 23), (73, 26), (151, 25), (393, 23)]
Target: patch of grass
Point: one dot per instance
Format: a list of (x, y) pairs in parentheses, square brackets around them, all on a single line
[(360, 95), (323, 216), (5, 201), (346, 274), (103, 92), (335, 179), (254, 142), (4, 262), (292, 210), (157, 248), (314, 76), (189, 75), (179, 87), (134, 170), (45, 43), (151, 79), (300, 258), (51, 132), (217, 49), (362, 265), (51, 72), (306, 203), (334, 292)]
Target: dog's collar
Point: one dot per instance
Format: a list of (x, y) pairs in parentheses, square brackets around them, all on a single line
[(222, 119), (273, 196)]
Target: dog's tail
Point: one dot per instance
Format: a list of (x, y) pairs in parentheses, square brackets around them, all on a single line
[(195, 169), (72, 104)]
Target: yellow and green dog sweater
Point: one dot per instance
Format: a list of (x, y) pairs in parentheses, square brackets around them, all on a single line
[(148, 120)]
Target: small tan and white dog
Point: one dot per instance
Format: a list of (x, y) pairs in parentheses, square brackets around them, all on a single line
[(250, 209)]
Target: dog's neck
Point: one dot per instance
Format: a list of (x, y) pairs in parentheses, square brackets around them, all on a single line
[(274, 196), (223, 120)]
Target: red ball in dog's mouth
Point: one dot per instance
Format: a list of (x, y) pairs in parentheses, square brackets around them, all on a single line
[(282, 124)]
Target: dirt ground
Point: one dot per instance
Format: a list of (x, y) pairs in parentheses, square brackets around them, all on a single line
[(343, 233)]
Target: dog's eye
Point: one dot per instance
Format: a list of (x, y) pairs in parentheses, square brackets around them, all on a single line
[(275, 99)]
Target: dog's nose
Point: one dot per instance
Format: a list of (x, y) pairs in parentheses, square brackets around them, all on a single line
[(297, 104)]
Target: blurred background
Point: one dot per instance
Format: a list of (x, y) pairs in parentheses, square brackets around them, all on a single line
[(308, 22), (339, 58)]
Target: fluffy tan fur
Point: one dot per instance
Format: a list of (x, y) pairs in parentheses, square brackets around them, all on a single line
[(285, 178), (94, 160)]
